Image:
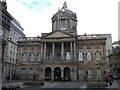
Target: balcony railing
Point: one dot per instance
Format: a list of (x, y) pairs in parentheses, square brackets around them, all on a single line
[(29, 39), (93, 36)]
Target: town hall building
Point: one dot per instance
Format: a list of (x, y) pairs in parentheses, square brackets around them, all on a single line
[(62, 54)]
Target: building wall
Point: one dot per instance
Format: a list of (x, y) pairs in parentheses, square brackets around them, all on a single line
[(16, 31), (91, 45), (5, 19)]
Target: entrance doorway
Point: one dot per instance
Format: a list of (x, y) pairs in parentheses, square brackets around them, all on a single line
[(57, 74), (66, 74), (48, 74)]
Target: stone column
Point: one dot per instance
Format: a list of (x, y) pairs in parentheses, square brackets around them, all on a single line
[(75, 52), (62, 74), (60, 25), (53, 51), (71, 51), (44, 51), (62, 50), (28, 56)]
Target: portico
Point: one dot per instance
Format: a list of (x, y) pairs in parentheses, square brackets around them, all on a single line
[(60, 51)]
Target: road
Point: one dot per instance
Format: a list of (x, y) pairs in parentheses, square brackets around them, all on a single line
[(62, 86), (59, 86)]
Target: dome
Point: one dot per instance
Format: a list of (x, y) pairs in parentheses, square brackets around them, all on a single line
[(64, 12)]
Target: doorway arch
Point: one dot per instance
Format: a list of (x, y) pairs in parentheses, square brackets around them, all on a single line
[(67, 74), (48, 74), (57, 74)]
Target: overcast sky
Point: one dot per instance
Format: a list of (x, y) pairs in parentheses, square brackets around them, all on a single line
[(94, 16)]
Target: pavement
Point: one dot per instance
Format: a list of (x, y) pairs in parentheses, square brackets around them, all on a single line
[(115, 85)]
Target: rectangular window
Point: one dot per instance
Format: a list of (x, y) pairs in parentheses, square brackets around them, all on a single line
[(98, 56), (31, 72), (90, 73), (23, 72), (67, 55), (80, 56), (98, 73), (24, 56), (39, 56), (81, 73), (63, 26), (32, 57)]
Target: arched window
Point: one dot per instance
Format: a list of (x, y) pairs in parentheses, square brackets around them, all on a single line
[(89, 56), (32, 57), (98, 56), (80, 56), (24, 57)]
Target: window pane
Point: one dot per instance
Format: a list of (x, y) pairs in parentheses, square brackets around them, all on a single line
[(32, 57), (89, 73), (39, 57), (30, 72), (98, 57), (24, 56), (89, 57), (98, 71), (81, 73), (80, 56), (63, 24), (37, 71), (67, 55), (23, 72)]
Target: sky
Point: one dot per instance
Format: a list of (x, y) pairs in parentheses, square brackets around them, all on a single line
[(94, 16)]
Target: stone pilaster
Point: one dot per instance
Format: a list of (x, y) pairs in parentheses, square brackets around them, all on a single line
[(71, 51), (53, 51), (75, 52), (44, 51), (62, 49)]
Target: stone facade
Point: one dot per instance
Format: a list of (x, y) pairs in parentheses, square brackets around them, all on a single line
[(62, 54), (114, 58), (5, 19)]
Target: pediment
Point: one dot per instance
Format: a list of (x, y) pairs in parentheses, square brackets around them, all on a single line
[(57, 34)]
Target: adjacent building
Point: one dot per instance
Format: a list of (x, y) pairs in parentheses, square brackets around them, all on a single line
[(10, 31), (114, 59), (62, 54), (5, 19), (9, 65)]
